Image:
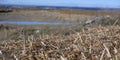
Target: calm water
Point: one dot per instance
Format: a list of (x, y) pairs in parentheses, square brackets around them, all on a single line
[(33, 23)]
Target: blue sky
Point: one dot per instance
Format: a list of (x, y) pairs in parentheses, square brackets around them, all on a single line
[(80, 3)]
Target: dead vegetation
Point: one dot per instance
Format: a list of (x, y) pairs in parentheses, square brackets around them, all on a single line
[(96, 43), (89, 41), (41, 15)]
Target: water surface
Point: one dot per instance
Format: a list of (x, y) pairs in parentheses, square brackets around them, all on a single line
[(33, 23)]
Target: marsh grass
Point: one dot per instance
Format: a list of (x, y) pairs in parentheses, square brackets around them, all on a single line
[(94, 43), (99, 41)]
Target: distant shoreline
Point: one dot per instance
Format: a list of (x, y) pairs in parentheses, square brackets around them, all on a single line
[(58, 7)]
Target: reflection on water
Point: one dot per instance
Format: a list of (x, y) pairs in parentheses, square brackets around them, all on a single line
[(33, 23)]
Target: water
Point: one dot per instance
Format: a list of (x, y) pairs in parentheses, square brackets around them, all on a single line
[(33, 23)]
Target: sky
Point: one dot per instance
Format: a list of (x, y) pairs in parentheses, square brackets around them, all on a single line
[(76, 3)]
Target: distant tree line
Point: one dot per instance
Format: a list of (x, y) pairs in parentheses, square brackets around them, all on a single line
[(5, 10)]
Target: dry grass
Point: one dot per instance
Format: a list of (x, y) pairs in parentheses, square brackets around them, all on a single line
[(41, 15), (97, 43), (53, 15)]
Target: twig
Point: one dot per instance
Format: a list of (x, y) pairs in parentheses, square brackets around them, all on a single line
[(108, 52), (101, 58)]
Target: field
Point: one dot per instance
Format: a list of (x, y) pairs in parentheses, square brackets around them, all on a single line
[(97, 39), (54, 15)]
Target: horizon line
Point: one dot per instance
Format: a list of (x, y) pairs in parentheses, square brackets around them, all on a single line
[(58, 6)]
